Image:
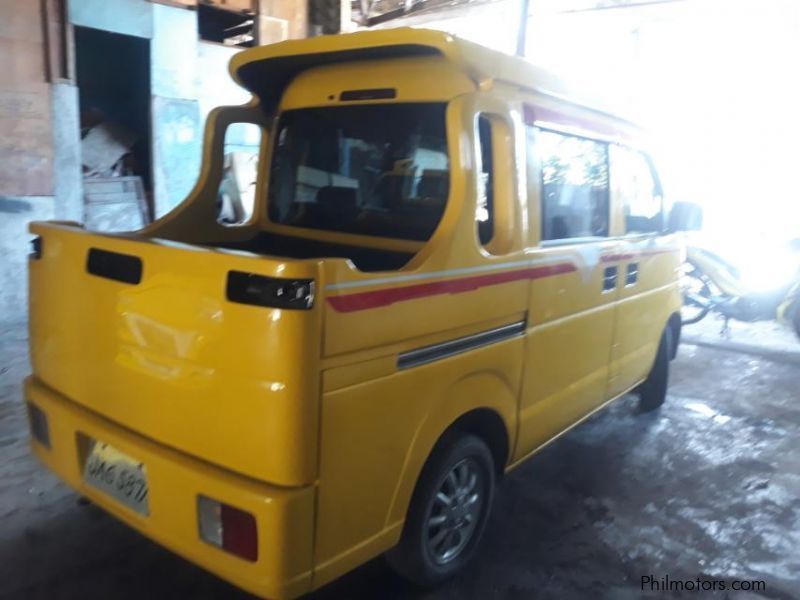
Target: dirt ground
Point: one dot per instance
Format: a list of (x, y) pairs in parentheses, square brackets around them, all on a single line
[(708, 487)]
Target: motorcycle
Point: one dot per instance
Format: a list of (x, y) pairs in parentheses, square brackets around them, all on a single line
[(712, 285)]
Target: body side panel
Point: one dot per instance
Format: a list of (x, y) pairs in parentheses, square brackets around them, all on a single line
[(377, 435)]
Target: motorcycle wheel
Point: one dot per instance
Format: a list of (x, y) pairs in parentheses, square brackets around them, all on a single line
[(696, 290)]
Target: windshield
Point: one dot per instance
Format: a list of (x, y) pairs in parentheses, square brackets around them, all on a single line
[(378, 170)]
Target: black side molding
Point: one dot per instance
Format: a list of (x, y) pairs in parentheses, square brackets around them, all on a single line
[(113, 265), (428, 354)]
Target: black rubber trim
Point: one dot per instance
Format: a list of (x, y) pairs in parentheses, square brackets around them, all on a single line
[(113, 265), (376, 94), (428, 354), (36, 248)]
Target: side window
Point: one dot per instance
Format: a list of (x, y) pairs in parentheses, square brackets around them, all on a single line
[(485, 209), (634, 187), (575, 193)]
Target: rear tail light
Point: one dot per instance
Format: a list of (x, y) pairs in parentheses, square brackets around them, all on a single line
[(249, 288), (39, 427), (226, 527)]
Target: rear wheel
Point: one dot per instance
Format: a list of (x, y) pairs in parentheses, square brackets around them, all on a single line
[(653, 391), (448, 511)]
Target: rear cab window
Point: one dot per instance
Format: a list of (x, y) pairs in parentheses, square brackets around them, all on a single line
[(376, 170)]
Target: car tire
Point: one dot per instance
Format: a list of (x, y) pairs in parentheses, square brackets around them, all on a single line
[(653, 391), (440, 537)]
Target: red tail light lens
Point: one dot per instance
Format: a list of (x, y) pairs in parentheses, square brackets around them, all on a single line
[(227, 527), (239, 534)]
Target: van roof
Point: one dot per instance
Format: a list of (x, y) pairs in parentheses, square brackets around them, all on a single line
[(267, 70)]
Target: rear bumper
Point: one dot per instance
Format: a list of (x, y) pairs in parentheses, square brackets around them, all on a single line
[(284, 517)]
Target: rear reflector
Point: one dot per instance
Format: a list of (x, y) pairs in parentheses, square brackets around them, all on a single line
[(39, 427), (228, 528)]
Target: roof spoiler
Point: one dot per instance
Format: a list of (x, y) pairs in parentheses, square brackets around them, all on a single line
[(267, 70)]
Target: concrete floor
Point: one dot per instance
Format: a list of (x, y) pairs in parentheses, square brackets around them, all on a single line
[(709, 486)]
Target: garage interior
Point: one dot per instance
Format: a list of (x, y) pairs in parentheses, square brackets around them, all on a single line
[(102, 107)]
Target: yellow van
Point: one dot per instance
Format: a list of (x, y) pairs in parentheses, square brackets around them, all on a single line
[(446, 262)]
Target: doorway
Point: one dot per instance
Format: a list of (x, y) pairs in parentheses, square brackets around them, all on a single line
[(113, 77)]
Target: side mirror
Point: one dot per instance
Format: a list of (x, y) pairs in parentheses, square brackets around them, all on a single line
[(685, 216)]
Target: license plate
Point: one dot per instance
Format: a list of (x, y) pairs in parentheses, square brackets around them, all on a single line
[(118, 475)]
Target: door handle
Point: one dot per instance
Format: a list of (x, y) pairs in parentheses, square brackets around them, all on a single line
[(609, 279), (632, 274)]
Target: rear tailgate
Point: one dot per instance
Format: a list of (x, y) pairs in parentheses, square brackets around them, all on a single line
[(170, 357)]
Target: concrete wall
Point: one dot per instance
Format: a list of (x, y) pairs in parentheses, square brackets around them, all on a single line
[(40, 162), (175, 110), (25, 146), (185, 89), (188, 78), (67, 169), (294, 12), (128, 17), (15, 214), (26, 149), (214, 84)]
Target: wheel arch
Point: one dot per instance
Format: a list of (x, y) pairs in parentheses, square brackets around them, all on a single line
[(481, 404), (488, 425)]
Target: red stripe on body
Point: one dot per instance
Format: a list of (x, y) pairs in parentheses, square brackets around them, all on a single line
[(377, 298), (538, 115), (607, 258)]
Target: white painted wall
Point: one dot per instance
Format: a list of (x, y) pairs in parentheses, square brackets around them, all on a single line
[(189, 78), (128, 17), (214, 84)]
